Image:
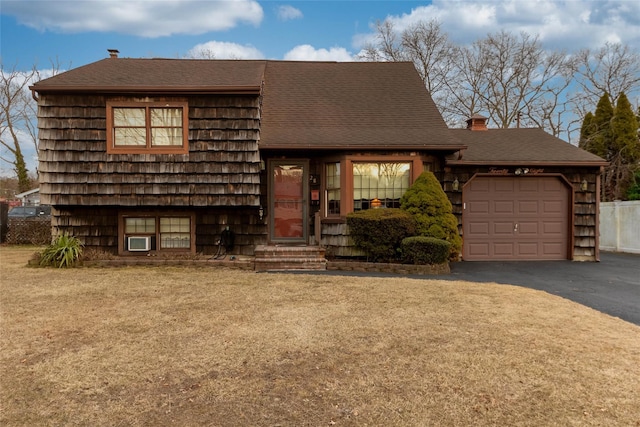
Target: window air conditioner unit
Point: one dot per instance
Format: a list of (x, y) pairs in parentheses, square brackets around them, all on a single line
[(139, 243)]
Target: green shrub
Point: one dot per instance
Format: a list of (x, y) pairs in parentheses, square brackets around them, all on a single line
[(634, 190), (64, 251), (379, 232), (426, 201), (425, 250)]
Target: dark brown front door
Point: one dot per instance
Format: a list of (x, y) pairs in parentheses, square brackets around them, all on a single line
[(288, 202), (515, 218)]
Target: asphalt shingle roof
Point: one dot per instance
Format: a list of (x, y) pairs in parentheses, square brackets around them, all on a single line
[(326, 105), (127, 75), (525, 146), (306, 105)]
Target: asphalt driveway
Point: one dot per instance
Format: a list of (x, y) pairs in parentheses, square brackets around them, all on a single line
[(611, 286)]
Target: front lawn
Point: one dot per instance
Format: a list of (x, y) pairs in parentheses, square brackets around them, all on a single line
[(157, 346)]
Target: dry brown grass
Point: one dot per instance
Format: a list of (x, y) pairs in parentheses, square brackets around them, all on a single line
[(199, 346)]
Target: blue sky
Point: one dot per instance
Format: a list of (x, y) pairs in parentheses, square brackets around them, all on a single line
[(72, 33), (77, 32)]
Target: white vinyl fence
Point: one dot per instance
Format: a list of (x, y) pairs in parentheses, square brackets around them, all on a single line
[(620, 226)]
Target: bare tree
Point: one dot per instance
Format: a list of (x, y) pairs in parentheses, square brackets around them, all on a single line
[(18, 118), (614, 68), (512, 79), (424, 44)]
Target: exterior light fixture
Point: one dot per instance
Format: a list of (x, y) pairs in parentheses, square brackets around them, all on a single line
[(455, 185), (518, 171), (584, 185), (261, 213)]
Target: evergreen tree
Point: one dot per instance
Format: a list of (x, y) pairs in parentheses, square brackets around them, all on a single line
[(623, 151), (427, 202), (624, 131), (587, 131), (601, 138)]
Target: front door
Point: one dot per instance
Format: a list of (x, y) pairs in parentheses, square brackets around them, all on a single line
[(288, 202)]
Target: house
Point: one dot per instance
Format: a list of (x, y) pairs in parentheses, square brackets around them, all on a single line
[(29, 198), (165, 156)]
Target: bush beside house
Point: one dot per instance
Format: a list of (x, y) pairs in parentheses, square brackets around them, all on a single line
[(379, 232), (426, 201)]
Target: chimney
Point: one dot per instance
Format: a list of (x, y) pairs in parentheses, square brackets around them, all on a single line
[(477, 122), (113, 53)]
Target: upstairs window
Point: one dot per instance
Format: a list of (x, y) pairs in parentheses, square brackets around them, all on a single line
[(136, 127)]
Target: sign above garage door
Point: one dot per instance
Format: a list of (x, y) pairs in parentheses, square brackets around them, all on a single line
[(516, 218)]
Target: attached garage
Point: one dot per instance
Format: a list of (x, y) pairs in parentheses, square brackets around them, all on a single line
[(516, 218), (523, 194)]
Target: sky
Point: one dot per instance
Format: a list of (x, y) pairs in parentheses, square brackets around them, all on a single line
[(76, 32), (72, 33)]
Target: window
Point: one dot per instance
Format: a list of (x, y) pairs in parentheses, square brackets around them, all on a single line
[(157, 127), (175, 233), (379, 184), (333, 188), (168, 233)]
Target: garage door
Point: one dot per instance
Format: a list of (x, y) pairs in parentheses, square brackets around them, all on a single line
[(515, 218)]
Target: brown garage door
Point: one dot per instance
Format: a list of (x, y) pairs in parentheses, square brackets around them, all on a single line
[(515, 218)]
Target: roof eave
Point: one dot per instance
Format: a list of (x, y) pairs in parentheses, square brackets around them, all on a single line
[(594, 163), (156, 90), (343, 147)]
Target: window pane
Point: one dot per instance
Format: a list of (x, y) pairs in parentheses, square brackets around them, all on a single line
[(166, 136), (166, 117), (139, 225), (175, 233), (130, 136), (169, 225), (129, 117), (332, 171), (386, 182)]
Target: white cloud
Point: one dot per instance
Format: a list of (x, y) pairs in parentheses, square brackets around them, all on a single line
[(307, 52), (566, 25), (152, 18), (224, 50), (287, 13)]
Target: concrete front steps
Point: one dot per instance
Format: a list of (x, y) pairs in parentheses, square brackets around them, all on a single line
[(278, 258)]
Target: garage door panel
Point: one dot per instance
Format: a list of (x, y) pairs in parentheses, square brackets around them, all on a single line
[(503, 249), (503, 228), (479, 250), (479, 229), (503, 185), (553, 207), (538, 205), (527, 185), (551, 250), (531, 207), (479, 207), (555, 228), (503, 207), (528, 228), (528, 249)]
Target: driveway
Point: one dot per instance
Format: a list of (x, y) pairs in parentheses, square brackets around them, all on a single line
[(611, 286)]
